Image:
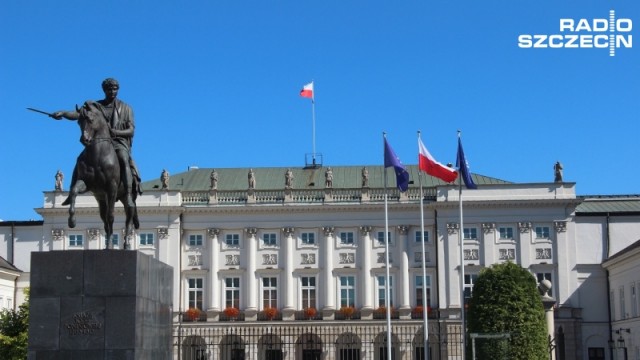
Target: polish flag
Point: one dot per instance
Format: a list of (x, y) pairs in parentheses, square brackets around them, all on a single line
[(428, 164), (307, 91)]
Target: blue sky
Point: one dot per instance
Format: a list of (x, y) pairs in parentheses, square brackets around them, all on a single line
[(216, 83)]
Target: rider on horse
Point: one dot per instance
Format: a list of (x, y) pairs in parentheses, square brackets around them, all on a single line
[(120, 118)]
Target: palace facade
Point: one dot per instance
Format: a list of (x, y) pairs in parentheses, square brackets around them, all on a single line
[(301, 254)]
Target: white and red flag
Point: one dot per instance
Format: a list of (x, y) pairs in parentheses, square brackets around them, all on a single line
[(307, 91), (428, 164)]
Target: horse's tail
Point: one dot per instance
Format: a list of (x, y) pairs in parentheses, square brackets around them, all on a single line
[(135, 177)]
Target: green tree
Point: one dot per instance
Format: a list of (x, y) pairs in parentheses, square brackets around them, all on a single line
[(505, 299), (14, 334)]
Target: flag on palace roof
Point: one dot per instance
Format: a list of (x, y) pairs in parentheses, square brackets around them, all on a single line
[(428, 164), (463, 167), (390, 159), (307, 91)]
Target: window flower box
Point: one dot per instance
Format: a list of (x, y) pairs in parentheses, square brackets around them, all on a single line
[(192, 314), (270, 312), (231, 312), (347, 311), (310, 313)]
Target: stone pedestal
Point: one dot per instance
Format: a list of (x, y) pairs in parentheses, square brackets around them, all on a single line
[(99, 304)]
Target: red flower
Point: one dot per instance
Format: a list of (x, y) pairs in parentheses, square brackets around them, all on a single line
[(192, 314), (347, 311), (310, 313), (231, 312), (270, 312)]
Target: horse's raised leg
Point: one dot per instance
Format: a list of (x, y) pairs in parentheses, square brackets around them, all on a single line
[(78, 188)]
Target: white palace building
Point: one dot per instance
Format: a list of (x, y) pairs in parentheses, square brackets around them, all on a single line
[(302, 260)]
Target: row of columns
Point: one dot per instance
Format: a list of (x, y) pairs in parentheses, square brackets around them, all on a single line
[(326, 289)]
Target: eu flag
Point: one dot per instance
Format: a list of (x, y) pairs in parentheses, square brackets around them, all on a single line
[(463, 167), (390, 159)]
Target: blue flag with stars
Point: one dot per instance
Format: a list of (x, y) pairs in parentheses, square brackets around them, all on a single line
[(390, 159), (463, 168)]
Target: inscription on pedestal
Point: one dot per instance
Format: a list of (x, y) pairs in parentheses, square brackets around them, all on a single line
[(84, 323)]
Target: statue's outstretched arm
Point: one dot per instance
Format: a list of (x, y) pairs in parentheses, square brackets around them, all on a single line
[(69, 115)]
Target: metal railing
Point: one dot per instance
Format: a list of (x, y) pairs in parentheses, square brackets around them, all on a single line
[(326, 340)]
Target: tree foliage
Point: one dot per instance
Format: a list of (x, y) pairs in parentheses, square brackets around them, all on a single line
[(14, 334), (505, 299)]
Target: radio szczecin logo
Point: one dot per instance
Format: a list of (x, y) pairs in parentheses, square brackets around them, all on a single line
[(596, 33)]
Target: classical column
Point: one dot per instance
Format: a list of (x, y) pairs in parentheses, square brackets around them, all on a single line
[(548, 302), (214, 259), (59, 237), (288, 281), (403, 283), (252, 284), (365, 249), (328, 283)]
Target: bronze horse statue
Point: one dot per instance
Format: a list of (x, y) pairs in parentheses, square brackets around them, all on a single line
[(98, 170)]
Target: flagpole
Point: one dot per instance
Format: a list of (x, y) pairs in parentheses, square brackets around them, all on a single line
[(425, 307), (386, 249), (313, 124), (461, 245)]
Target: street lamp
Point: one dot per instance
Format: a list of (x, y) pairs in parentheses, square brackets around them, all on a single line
[(620, 344)]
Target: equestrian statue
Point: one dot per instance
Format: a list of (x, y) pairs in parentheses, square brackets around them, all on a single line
[(105, 166)]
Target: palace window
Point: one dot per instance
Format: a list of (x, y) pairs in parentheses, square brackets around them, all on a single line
[(506, 233), (195, 293), (115, 240), (346, 238), (145, 239), (195, 240), (419, 238), (232, 292), (269, 239), (542, 232), (76, 240), (232, 240), (419, 293), (347, 291), (470, 233), (469, 280), (308, 291), (308, 238), (382, 290), (269, 292), (380, 237)]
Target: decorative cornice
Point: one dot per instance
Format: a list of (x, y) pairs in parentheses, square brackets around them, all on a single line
[(403, 229), (213, 232), (58, 234), (251, 231), (366, 229), (561, 226), (488, 227), (453, 227), (93, 234), (288, 231), (524, 226), (328, 230), (163, 232)]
